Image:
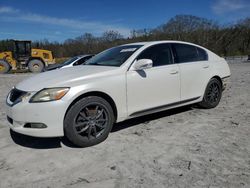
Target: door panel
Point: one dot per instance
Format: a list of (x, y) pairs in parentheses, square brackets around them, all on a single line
[(194, 78), (152, 87), (194, 69)]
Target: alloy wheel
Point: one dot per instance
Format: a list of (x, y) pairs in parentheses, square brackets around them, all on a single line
[(213, 93), (91, 121)]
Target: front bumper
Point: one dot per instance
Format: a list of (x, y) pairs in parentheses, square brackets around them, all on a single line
[(50, 114)]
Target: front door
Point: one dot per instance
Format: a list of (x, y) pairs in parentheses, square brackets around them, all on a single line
[(155, 87)]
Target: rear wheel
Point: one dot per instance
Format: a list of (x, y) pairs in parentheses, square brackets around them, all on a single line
[(4, 67), (212, 94), (35, 65), (89, 121)]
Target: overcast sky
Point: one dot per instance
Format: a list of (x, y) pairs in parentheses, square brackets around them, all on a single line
[(60, 20)]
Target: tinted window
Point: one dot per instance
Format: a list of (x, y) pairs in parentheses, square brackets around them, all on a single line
[(88, 57), (69, 61), (79, 62), (22, 48), (114, 56), (202, 54), (160, 54), (185, 53), (82, 60)]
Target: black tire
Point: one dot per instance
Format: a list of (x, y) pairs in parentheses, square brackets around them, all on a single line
[(83, 127), (212, 94), (36, 65), (4, 67)]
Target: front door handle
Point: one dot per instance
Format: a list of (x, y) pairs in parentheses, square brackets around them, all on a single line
[(173, 72)]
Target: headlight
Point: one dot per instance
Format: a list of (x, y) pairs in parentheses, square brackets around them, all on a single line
[(49, 94)]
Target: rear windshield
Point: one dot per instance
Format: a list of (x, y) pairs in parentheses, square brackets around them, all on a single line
[(114, 56)]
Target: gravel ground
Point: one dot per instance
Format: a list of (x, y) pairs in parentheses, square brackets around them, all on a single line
[(185, 147)]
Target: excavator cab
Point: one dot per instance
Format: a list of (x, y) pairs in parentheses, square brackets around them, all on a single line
[(22, 50)]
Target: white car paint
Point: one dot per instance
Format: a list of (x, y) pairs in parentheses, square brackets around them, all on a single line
[(77, 60), (142, 93), (131, 91)]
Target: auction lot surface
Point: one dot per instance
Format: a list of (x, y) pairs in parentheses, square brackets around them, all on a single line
[(187, 147)]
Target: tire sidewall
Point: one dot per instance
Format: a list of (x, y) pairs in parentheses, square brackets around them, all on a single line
[(36, 62), (6, 65), (206, 103), (70, 131)]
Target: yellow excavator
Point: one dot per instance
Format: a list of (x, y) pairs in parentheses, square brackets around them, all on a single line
[(22, 56)]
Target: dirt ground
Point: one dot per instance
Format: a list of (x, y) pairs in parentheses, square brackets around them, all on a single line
[(185, 147)]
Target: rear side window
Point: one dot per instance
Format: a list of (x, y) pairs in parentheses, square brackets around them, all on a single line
[(188, 53), (160, 55), (202, 54)]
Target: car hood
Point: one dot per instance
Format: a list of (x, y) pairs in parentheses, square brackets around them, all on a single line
[(63, 77)]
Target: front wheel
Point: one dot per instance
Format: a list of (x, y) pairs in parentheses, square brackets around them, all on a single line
[(89, 121), (35, 65), (212, 94), (4, 67)]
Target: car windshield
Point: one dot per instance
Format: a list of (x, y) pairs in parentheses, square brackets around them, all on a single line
[(114, 56), (70, 61)]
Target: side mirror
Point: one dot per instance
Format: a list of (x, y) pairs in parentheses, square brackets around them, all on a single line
[(142, 64)]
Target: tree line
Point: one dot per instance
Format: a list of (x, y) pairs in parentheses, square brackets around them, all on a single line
[(225, 40)]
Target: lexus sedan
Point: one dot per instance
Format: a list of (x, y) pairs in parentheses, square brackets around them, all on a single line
[(120, 83), (74, 61)]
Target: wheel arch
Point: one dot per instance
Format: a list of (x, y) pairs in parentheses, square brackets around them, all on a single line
[(218, 78), (97, 94), (214, 76), (204, 103)]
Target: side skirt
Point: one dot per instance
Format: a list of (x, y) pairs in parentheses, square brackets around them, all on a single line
[(161, 108)]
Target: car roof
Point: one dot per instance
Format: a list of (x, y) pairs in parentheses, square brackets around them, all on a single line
[(148, 43), (85, 55)]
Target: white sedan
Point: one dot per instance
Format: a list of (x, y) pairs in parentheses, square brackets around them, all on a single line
[(120, 83), (74, 61)]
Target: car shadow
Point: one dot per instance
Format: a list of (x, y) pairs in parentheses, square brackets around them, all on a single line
[(40, 143), (52, 143)]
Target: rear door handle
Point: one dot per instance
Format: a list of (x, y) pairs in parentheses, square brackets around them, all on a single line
[(205, 66), (173, 72)]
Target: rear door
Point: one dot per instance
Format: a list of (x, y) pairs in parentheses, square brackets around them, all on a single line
[(194, 70), (155, 87)]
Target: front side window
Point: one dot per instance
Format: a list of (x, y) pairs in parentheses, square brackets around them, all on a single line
[(160, 54), (21, 48), (114, 56)]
